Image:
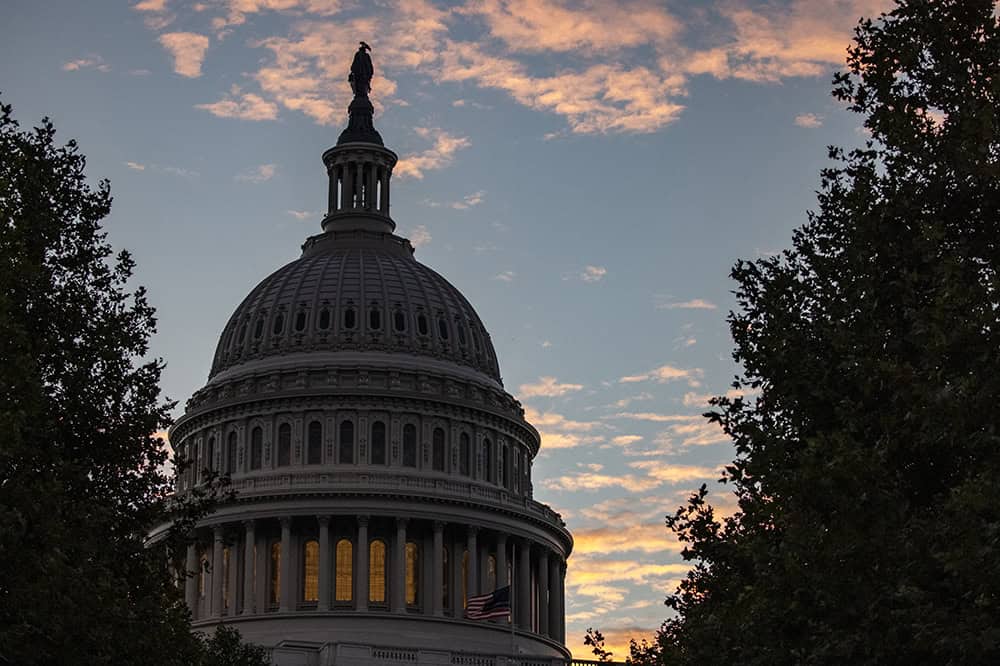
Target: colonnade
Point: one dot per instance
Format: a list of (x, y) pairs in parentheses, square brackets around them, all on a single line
[(372, 563)]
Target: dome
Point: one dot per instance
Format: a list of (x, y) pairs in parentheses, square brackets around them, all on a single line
[(358, 292)]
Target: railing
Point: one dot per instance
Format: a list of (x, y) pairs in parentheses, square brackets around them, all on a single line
[(405, 483)]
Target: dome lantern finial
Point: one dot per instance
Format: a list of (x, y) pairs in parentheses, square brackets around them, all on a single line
[(360, 165)]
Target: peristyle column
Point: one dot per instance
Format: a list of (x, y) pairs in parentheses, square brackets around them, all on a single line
[(191, 582), (361, 566), (324, 563), (523, 597), (543, 592), (285, 580), (472, 570), (437, 571), (217, 571), (555, 607), (249, 567), (398, 583)]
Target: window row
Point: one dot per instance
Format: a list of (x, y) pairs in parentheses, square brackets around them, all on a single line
[(343, 574), (513, 461), (350, 320)]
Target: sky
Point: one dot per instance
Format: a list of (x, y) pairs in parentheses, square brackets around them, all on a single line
[(585, 172)]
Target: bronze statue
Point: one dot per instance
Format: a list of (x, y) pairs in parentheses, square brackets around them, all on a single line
[(361, 72)]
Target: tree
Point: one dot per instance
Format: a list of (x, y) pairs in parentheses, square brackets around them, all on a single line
[(868, 437), (82, 474)]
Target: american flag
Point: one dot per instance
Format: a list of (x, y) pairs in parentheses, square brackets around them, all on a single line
[(486, 606)]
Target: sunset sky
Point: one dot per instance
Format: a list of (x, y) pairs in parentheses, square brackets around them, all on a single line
[(585, 172)]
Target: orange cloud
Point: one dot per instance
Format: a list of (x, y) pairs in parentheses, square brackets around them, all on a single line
[(436, 157), (188, 50), (548, 387), (245, 106), (596, 481), (664, 374)]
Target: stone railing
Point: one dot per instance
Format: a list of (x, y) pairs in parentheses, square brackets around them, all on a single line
[(413, 485), (358, 654)]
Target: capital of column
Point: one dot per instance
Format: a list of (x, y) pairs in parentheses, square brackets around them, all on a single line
[(472, 530), (363, 520), (249, 523), (286, 521), (323, 520), (402, 522), (438, 525)]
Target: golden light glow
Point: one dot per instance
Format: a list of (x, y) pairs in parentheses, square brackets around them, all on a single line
[(275, 572), (345, 570), (376, 571), (310, 579), (412, 567)]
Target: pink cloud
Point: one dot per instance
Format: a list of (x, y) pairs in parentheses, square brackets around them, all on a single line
[(188, 50)]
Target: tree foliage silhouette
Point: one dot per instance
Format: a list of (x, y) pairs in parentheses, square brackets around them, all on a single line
[(868, 446), (82, 474)]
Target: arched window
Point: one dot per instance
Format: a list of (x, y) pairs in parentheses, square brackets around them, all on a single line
[(345, 571), (300, 321), (195, 469), (279, 324), (346, 456), (464, 451), (310, 571), (349, 318), (258, 327), (422, 324), (409, 445), (375, 319), (275, 592), (488, 460), (461, 332), (491, 574), (378, 443), (231, 453), (399, 321), (443, 328), (314, 448), (445, 589), (376, 571), (324, 319), (465, 577), (209, 463), (437, 450), (506, 466), (412, 573), (256, 447), (243, 333), (284, 445)]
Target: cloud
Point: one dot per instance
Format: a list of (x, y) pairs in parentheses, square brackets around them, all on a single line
[(245, 106), (809, 120), (469, 200), (505, 276), (590, 27), (437, 157), (692, 399), (91, 62), (658, 418), (558, 432), (135, 166), (150, 6), (546, 344), (664, 374), (625, 440), (548, 387), (258, 174), (420, 236), (188, 50), (303, 214), (693, 304), (596, 481), (588, 274), (669, 473)]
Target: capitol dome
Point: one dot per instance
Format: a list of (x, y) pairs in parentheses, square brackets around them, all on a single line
[(383, 509)]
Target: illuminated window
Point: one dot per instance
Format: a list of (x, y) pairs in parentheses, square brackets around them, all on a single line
[(284, 445), (376, 571), (378, 443), (412, 573), (275, 595), (437, 442), (346, 442), (310, 571), (256, 447), (491, 574), (314, 449), (409, 445), (464, 450), (345, 571)]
